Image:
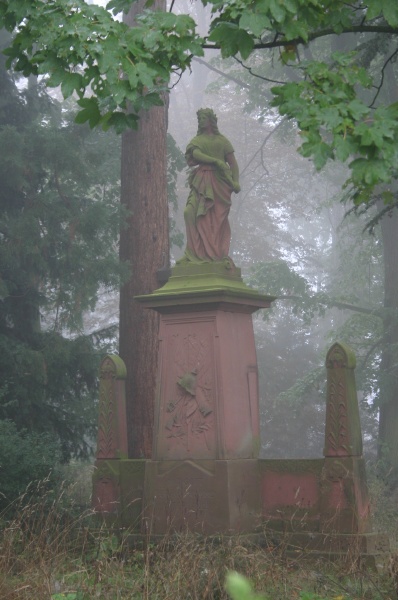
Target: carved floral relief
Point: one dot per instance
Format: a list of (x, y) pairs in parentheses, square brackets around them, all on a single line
[(189, 408), (106, 443), (336, 433)]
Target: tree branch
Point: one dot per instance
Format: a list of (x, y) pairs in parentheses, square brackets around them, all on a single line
[(280, 42), (225, 75), (260, 150), (256, 74), (341, 305), (373, 347), (382, 77)]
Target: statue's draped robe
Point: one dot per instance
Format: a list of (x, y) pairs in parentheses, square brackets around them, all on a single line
[(209, 201)]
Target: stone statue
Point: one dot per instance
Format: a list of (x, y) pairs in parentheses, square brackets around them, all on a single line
[(211, 182)]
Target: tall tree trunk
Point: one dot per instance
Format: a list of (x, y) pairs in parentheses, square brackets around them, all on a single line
[(388, 420), (144, 243), (388, 417)]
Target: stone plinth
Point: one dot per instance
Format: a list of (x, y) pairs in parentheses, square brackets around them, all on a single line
[(344, 492), (203, 496), (290, 493), (205, 476), (204, 473), (112, 436), (207, 397), (343, 436)]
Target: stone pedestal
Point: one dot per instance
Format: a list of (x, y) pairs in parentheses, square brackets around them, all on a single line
[(205, 475), (344, 492), (204, 472), (112, 436), (203, 496)]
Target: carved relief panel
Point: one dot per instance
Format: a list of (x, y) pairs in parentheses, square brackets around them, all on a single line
[(186, 411), (343, 431), (112, 435), (106, 433)]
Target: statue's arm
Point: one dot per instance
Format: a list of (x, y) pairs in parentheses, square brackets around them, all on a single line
[(231, 160), (201, 157)]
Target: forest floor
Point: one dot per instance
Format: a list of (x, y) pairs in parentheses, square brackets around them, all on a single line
[(52, 551)]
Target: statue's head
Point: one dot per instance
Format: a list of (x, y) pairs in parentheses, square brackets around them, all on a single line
[(208, 113)]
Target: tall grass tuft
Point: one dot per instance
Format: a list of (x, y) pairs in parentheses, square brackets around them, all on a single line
[(50, 549)]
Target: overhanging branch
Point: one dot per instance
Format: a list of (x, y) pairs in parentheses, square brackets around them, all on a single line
[(341, 305), (281, 42)]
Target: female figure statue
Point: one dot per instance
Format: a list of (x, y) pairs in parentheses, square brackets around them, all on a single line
[(214, 178)]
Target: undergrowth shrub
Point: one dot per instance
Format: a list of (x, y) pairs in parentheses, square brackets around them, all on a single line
[(384, 504), (77, 478), (40, 536), (25, 458), (50, 549)]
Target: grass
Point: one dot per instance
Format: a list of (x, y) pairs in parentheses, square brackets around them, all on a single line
[(52, 550)]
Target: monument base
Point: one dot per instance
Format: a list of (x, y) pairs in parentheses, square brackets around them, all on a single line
[(162, 497), (204, 476), (206, 405), (208, 497), (220, 499)]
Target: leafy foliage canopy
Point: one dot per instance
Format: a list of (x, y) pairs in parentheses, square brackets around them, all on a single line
[(110, 67)]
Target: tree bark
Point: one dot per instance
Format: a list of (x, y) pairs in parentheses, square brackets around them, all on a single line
[(145, 244), (388, 419)]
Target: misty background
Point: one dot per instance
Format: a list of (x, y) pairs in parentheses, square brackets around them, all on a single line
[(292, 238), (292, 235)]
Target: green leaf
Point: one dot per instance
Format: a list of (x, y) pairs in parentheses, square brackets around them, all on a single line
[(254, 23), (277, 11), (392, 110), (318, 150), (295, 30), (90, 112), (232, 40), (245, 43), (344, 148), (383, 7), (292, 6), (390, 12), (70, 83), (118, 6), (369, 172), (56, 78), (118, 120), (224, 34), (331, 117), (357, 109), (370, 136), (238, 587)]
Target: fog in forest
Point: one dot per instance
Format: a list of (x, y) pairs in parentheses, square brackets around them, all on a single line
[(123, 430), (292, 236)]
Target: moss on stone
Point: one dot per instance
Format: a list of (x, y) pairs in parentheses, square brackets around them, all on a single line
[(203, 283)]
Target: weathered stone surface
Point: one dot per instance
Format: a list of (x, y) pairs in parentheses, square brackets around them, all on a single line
[(132, 486), (344, 493), (343, 430), (344, 497), (216, 415), (290, 493), (208, 497), (106, 487), (112, 428), (205, 476), (207, 399), (205, 284)]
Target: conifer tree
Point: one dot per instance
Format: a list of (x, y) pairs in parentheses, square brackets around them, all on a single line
[(59, 221)]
